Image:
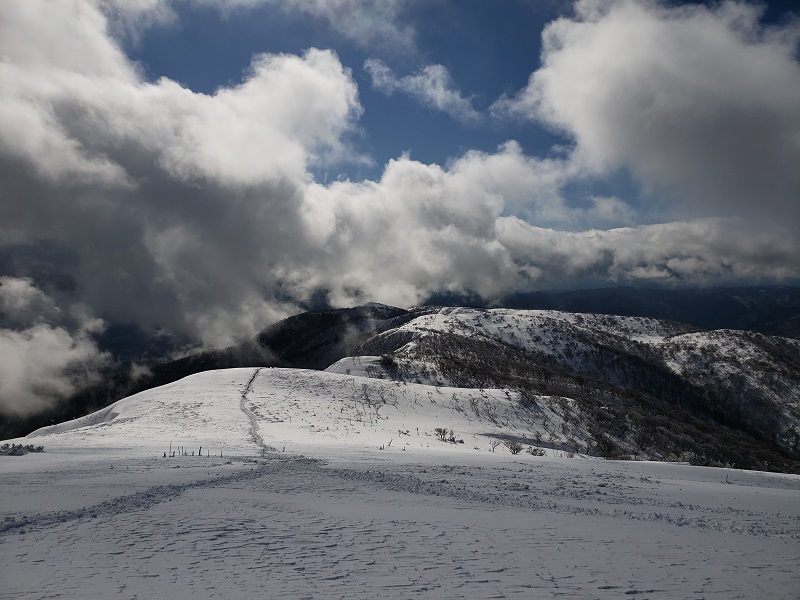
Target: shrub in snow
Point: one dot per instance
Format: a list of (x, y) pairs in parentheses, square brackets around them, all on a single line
[(607, 448), (19, 449), (513, 447), (388, 362), (534, 451)]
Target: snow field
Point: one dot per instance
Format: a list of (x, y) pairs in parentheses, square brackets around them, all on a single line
[(103, 514), (287, 527)]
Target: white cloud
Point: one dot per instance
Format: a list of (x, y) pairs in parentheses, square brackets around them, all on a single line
[(432, 85), (422, 228), (290, 112), (698, 103), (22, 304), (370, 23), (151, 182), (42, 363), (609, 211)]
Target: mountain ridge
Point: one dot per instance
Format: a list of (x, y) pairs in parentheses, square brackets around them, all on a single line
[(581, 384), (773, 310), (735, 382), (732, 382)]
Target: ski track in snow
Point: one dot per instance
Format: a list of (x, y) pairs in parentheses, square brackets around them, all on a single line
[(499, 486), (116, 506), (103, 514), (254, 430)]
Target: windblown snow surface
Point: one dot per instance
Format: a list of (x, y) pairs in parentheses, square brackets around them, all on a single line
[(305, 484)]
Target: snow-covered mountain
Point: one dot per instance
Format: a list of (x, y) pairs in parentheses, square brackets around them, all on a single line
[(634, 385), (577, 384), (311, 340), (772, 310)]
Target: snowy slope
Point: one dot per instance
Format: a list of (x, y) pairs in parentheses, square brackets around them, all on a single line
[(244, 410), (102, 513), (754, 374), (747, 381), (200, 410)]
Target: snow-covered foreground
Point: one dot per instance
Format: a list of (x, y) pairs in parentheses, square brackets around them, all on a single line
[(102, 513)]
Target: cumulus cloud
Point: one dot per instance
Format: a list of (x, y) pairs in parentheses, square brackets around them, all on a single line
[(422, 228), (698, 103), (180, 206), (46, 354), (79, 119), (432, 85)]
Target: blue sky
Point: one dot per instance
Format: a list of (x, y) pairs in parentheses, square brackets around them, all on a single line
[(207, 167)]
